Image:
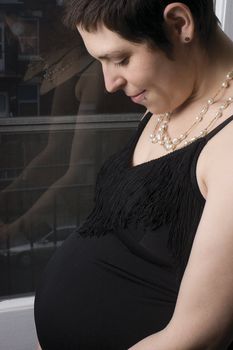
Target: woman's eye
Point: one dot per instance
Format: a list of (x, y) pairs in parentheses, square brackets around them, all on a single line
[(124, 62)]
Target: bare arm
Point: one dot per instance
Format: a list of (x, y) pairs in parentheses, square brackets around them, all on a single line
[(203, 316)]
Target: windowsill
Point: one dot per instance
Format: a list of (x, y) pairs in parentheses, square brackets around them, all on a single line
[(17, 304)]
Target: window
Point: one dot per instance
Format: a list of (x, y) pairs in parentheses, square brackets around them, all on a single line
[(58, 127), (28, 35), (28, 100), (224, 10)]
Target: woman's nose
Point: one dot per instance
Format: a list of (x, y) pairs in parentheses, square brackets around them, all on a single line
[(113, 82)]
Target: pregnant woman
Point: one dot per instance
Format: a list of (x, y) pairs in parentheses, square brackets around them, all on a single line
[(151, 267)]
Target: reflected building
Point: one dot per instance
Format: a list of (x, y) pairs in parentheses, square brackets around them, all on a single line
[(19, 44)]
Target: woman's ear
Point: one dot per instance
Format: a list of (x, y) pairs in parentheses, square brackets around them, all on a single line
[(179, 22)]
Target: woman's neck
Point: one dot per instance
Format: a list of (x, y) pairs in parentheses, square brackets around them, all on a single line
[(210, 71)]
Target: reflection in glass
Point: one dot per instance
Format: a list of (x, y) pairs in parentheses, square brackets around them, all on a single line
[(57, 127)]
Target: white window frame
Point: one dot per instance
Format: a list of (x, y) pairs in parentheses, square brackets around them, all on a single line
[(224, 12), (17, 327), (16, 304)]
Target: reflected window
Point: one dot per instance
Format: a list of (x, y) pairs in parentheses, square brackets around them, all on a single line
[(28, 100), (3, 104), (27, 30)]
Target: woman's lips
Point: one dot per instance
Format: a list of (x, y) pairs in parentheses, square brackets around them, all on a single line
[(138, 98)]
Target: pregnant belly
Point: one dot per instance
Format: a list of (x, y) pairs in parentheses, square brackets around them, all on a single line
[(97, 294)]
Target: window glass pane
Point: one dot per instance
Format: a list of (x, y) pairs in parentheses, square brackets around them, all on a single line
[(60, 126), (26, 30), (28, 109), (2, 103), (27, 93), (28, 45)]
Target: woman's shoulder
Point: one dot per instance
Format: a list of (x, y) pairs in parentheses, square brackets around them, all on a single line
[(216, 156), (216, 150)]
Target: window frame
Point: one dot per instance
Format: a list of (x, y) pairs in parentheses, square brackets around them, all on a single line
[(224, 12)]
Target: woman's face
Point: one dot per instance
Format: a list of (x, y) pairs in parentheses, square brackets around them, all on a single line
[(147, 76)]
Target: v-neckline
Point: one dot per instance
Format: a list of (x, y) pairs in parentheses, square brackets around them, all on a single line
[(141, 127), (178, 151)]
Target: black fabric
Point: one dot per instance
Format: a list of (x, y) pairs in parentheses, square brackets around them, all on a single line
[(116, 280)]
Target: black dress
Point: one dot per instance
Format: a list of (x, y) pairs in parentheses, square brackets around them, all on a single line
[(116, 280)]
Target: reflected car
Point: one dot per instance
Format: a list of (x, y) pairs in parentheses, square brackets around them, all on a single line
[(25, 253)]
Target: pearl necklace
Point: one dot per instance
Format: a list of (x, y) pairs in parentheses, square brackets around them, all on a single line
[(161, 135)]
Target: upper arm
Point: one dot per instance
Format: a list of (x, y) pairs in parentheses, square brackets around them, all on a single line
[(204, 308)]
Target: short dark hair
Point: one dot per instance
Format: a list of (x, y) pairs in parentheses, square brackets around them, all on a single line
[(139, 20)]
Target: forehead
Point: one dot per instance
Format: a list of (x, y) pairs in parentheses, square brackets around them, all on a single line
[(104, 42)]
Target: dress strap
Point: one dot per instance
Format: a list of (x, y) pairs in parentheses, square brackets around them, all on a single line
[(218, 128), (129, 147), (145, 118), (142, 123)]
